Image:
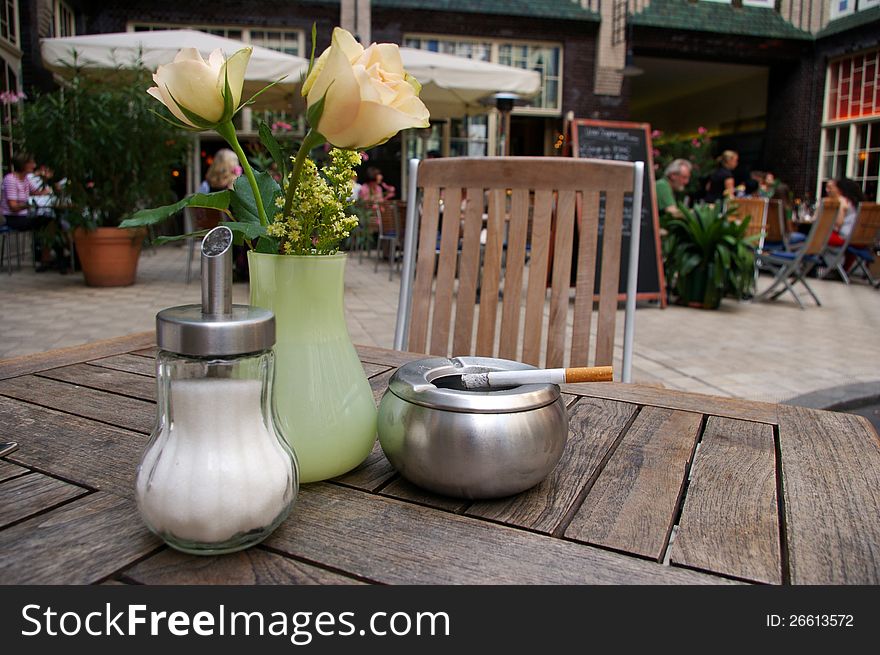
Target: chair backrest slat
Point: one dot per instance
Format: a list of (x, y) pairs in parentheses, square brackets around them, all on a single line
[(468, 272), (756, 208), (775, 227), (609, 282), (867, 224), (528, 207), (445, 283), (491, 276), (424, 279), (817, 240), (561, 282), (517, 233), (586, 279), (538, 266)]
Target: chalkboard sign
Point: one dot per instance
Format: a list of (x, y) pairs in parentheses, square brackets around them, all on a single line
[(631, 142)]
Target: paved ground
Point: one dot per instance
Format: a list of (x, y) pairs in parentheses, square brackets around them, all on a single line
[(762, 351)]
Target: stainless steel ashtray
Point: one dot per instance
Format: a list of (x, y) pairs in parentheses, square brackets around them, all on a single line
[(470, 444)]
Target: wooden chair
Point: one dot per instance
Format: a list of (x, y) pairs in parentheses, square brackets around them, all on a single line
[(790, 268), (531, 201), (389, 233), (756, 210), (862, 241)]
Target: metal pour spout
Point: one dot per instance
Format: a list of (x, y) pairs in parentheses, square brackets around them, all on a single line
[(217, 272)]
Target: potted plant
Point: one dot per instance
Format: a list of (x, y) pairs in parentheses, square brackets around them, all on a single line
[(113, 156), (706, 256)]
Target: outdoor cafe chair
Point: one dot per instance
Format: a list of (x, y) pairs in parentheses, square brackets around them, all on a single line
[(833, 257), (791, 268), (388, 216), (756, 209), (863, 239), (532, 205), (777, 235)]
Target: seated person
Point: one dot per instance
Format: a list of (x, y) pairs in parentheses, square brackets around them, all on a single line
[(670, 188), (849, 194), (17, 192)]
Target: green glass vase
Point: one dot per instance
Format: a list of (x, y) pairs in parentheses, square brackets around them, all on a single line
[(324, 401)]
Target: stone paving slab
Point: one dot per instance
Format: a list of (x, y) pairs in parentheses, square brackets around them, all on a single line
[(760, 351)]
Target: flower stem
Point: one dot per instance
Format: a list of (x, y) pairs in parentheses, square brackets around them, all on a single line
[(227, 131), (312, 140)]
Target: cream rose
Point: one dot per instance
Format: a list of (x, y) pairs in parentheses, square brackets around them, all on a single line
[(198, 85), (368, 96)]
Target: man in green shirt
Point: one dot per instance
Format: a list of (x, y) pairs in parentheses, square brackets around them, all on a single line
[(672, 185)]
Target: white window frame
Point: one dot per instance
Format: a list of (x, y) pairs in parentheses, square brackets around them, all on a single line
[(226, 28), (851, 126), (14, 37), (63, 19), (768, 4), (836, 12), (12, 77), (495, 44)]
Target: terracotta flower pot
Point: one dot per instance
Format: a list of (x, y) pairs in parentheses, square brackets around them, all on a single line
[(109, 255)]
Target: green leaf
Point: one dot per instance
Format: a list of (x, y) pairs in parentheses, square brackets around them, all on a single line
[(274, 148), (248, 231), (179, 237), (313, 115), (267, 245), (228, 106), (144, 217), (242, 203), (314, 44)]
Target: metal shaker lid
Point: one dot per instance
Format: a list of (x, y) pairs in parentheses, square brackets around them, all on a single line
[(432, 383), (216, 327)]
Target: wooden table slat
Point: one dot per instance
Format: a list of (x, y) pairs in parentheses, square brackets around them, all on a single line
[(682, 400), (374, 369), (603, 515), (250, 567), (105, 379), (595, 425), (128, 363), (831, 482), (9, 470), (633, 504), (120, 411), (80, 543), (393, 358), (404, 490), (33, 493), (85, 452), (391, 541), (730, 520), (10, 368), (371, 474)]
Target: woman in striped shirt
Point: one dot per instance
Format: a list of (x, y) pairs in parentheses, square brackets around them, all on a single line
[(16, 191)]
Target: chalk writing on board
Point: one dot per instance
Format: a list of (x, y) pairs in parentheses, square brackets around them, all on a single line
[(627, 142)]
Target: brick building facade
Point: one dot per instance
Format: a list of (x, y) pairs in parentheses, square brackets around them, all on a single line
[(769, 61)]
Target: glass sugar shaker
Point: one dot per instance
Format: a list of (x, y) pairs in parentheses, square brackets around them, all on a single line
[(217, 476)]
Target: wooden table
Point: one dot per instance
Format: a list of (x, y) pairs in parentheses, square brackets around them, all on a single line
[(655, 486)]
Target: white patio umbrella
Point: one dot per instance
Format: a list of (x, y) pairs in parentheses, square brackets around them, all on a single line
[(100, 53), (454, 86)]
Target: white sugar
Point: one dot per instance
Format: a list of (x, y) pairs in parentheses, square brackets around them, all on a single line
[(217, 470)]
